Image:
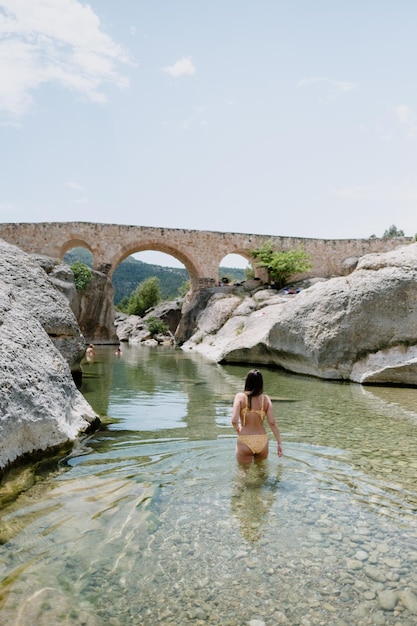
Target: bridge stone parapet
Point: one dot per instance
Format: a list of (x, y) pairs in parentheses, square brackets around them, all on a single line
[(200, 251)]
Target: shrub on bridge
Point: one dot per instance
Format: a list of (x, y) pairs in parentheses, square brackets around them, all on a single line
[(282, 266)]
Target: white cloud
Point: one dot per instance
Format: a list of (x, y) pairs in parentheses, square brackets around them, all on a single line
[(197, 118), (54, 41), (311, 81), (343, 86), (356, 192), (403, 113), (182, 67), (331, 88), (407, 119), (75, 186)]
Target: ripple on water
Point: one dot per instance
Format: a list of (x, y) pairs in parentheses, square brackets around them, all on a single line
[(179, 521), (152, 522)]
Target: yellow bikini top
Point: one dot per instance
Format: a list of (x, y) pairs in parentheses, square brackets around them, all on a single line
[(246, 408)]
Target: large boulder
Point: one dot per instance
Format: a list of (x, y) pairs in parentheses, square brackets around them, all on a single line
[(24, 277), (361, 327), (94, 309), (134, 329), (40, 406), (168, 312)]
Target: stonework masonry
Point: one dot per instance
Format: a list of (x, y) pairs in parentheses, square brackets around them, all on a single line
[(200, 251)]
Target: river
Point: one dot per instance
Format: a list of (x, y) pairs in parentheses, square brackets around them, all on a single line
[(151, 521)]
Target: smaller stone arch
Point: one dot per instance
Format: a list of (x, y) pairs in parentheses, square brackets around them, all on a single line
[(70, 244), (237, 263), (245, 253), (259, 272)]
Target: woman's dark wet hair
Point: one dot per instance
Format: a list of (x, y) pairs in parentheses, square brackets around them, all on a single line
[(254, 384)]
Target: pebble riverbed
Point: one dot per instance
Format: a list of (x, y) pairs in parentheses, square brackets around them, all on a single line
[(276, 545), (144, 529)]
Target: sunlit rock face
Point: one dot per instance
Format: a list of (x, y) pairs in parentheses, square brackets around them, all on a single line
[(93, 307), (31, 287), (361, 327), (40, 406)]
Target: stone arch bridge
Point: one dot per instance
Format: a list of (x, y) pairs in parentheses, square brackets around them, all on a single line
[(200, 251)]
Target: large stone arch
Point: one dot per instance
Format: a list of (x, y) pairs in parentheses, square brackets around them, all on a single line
[(130, 248)]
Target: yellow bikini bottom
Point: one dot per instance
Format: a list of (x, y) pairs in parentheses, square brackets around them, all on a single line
[(256, 443)]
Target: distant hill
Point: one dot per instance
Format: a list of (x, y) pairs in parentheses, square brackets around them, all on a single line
[(131, 272)]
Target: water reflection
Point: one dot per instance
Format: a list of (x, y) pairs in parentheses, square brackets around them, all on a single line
[(254, 492)]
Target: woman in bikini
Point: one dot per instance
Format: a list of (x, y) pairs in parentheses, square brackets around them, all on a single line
[(249, 410)]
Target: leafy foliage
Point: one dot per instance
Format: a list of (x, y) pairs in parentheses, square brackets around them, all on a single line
[(82, 275), (156, 326), (184, 288), (281, 266), (392, 232), (145, 296)]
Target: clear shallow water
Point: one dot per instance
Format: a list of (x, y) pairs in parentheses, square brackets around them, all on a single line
[(151, 521)]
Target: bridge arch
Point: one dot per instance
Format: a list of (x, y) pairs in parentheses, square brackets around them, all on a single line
[(74, 243), (133, 248)]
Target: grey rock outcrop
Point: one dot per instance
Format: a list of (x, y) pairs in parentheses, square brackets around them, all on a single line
[(94, 310), (168, 312), (361, 327), (40, 406), (93, 307), (134, 329), (31, 288)]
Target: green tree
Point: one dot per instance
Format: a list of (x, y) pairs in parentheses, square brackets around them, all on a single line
[(184, 288), (82, 275), (392, 232), (281, 266), (145, 296)]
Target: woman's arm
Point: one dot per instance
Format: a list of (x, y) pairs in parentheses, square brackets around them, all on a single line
[(273, 425), (236, 413)]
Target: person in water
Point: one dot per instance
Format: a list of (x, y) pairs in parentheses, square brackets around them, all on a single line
[(90, 352), (250, 408)]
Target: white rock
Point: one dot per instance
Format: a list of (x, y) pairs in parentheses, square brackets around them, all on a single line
[(40, 406), (359, 327)]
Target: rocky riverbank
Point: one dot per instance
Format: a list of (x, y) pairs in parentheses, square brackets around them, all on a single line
[(40, 407), (361, 327)]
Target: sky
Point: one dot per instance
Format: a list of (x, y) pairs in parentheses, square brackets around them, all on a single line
[(281, 117)]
